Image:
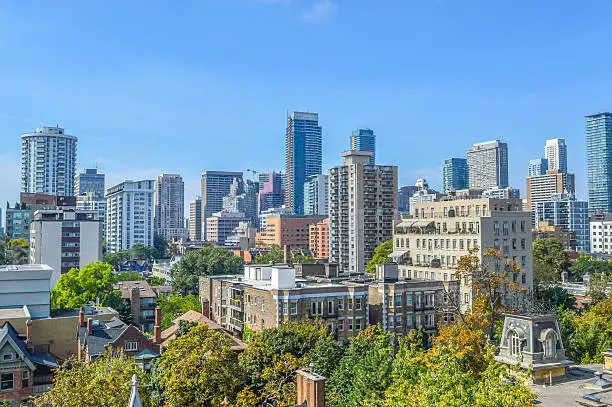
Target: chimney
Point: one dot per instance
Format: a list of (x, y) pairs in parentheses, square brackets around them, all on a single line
[(205, 308), (310, 388), (287, 254), (157, 326), (29, 332), (82, 317), (89, 326), (135, 304)]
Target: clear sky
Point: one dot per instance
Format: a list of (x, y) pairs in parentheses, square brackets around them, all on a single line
[(182, 86)]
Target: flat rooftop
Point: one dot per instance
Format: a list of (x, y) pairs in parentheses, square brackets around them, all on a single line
[(13, 313), (24, 267), (565, 392)]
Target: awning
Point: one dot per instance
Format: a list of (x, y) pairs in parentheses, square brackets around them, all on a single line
[(398, 253)]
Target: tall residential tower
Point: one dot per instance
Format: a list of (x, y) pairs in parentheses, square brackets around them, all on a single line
[(556, 154), (455, 174), (170, 207), (599, 161), (364, 140), (488, 165), (303, 155), (215, 185), (48, 161)]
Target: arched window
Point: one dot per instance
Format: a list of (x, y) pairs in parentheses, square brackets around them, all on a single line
[(515, 343), (550, 345)]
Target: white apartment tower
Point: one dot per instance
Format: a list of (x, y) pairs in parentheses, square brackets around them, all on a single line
[(129, 215), (170, 207), (429, 245), (556, 154), (48, 162), (362, 208), (65, 238), (315, 195), (488, 165)]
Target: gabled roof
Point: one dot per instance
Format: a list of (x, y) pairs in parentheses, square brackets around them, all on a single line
[(8, 334), (102, 334)]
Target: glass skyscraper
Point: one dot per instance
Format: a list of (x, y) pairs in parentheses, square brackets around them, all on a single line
[(455, 173), (537, 166), (303, 155), (364, 140), (599, 161)]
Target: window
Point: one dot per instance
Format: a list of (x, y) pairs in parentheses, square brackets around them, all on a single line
[(131, 346), (398, 321), (350, 304), (429, 320), (285, 308), (515, 344), (505, 228), (7, 356), (550, 345), (350, 324), (408, 299), (358, 324), (6, 382), (523, 244), (25, 379), (341, 304), (390, 321), (466, 298), (293, 307), (317, 308), (340, 325), (496, 228), (398, 301), (417, 320), (522, 226), (417, 300), (330, 307), (358, 303)]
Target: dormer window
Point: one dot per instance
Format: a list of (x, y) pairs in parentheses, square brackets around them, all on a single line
[(7, 356), (515, 343), (550, 345)]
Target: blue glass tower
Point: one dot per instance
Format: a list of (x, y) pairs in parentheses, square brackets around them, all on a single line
[(303, 155), (537, 166), (364, 140), (455, 174), (599, 161)]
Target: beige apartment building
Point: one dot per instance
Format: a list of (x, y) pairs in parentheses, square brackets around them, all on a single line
[(266, 296), (543, 187), (319, 239), (400, 306), (429, 245), (287, 230)]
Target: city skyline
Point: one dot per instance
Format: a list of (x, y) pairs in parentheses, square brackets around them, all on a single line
[(90, 102)]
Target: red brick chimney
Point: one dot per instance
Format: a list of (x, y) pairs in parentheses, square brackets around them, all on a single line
[(89, 326), (310, 389), (157, 326), (287, 254), (205, 308), (82, 317), (29, 332)]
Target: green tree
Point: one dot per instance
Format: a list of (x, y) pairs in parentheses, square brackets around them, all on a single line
[(381, 256), (156, 281), (79, 286), (589, 334), (17, 251), (268, 346), (587, 265), (549, 260), (598, 286), (130, 276), (116, 259), (160, 244), (364, 372), (176, 305), (274, 256), (325, 355), (142, 252), (208, 261), (107, 382), (4, 256), (199, 369), (549, 299)]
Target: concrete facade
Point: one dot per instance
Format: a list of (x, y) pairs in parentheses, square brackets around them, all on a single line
[(215, 185), (221, 225), (488, 165), (27, 285), (195, 220), (170, 207), (287, 230), (65, 238), (362, 207)]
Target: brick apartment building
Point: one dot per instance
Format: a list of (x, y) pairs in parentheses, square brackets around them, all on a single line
[(267, 296), (319, 239), (287, 230), (142, 299)]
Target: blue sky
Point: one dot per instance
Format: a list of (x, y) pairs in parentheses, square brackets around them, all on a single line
[(182, 86)]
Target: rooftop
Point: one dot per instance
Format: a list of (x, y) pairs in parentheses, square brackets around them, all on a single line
[(145, 289), (565, 393), (24, 267)]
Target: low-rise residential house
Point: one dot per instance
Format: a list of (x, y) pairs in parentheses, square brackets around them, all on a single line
[(198, 318), (25, 370), (266, 296), (142, 299), (94, 338)]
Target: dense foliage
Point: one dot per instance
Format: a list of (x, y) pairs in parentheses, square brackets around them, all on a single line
[(176, 305), (103, 383), (15, 251), (136, 252), (277, 256), (208, 261), (79, 286), (549, 260), (381, 256)]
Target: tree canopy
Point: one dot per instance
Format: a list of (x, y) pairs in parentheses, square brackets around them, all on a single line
[(208, 261), (176, 305), (549, 260), (79, 286), (381, 256), (103, 383), (198, 369)]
